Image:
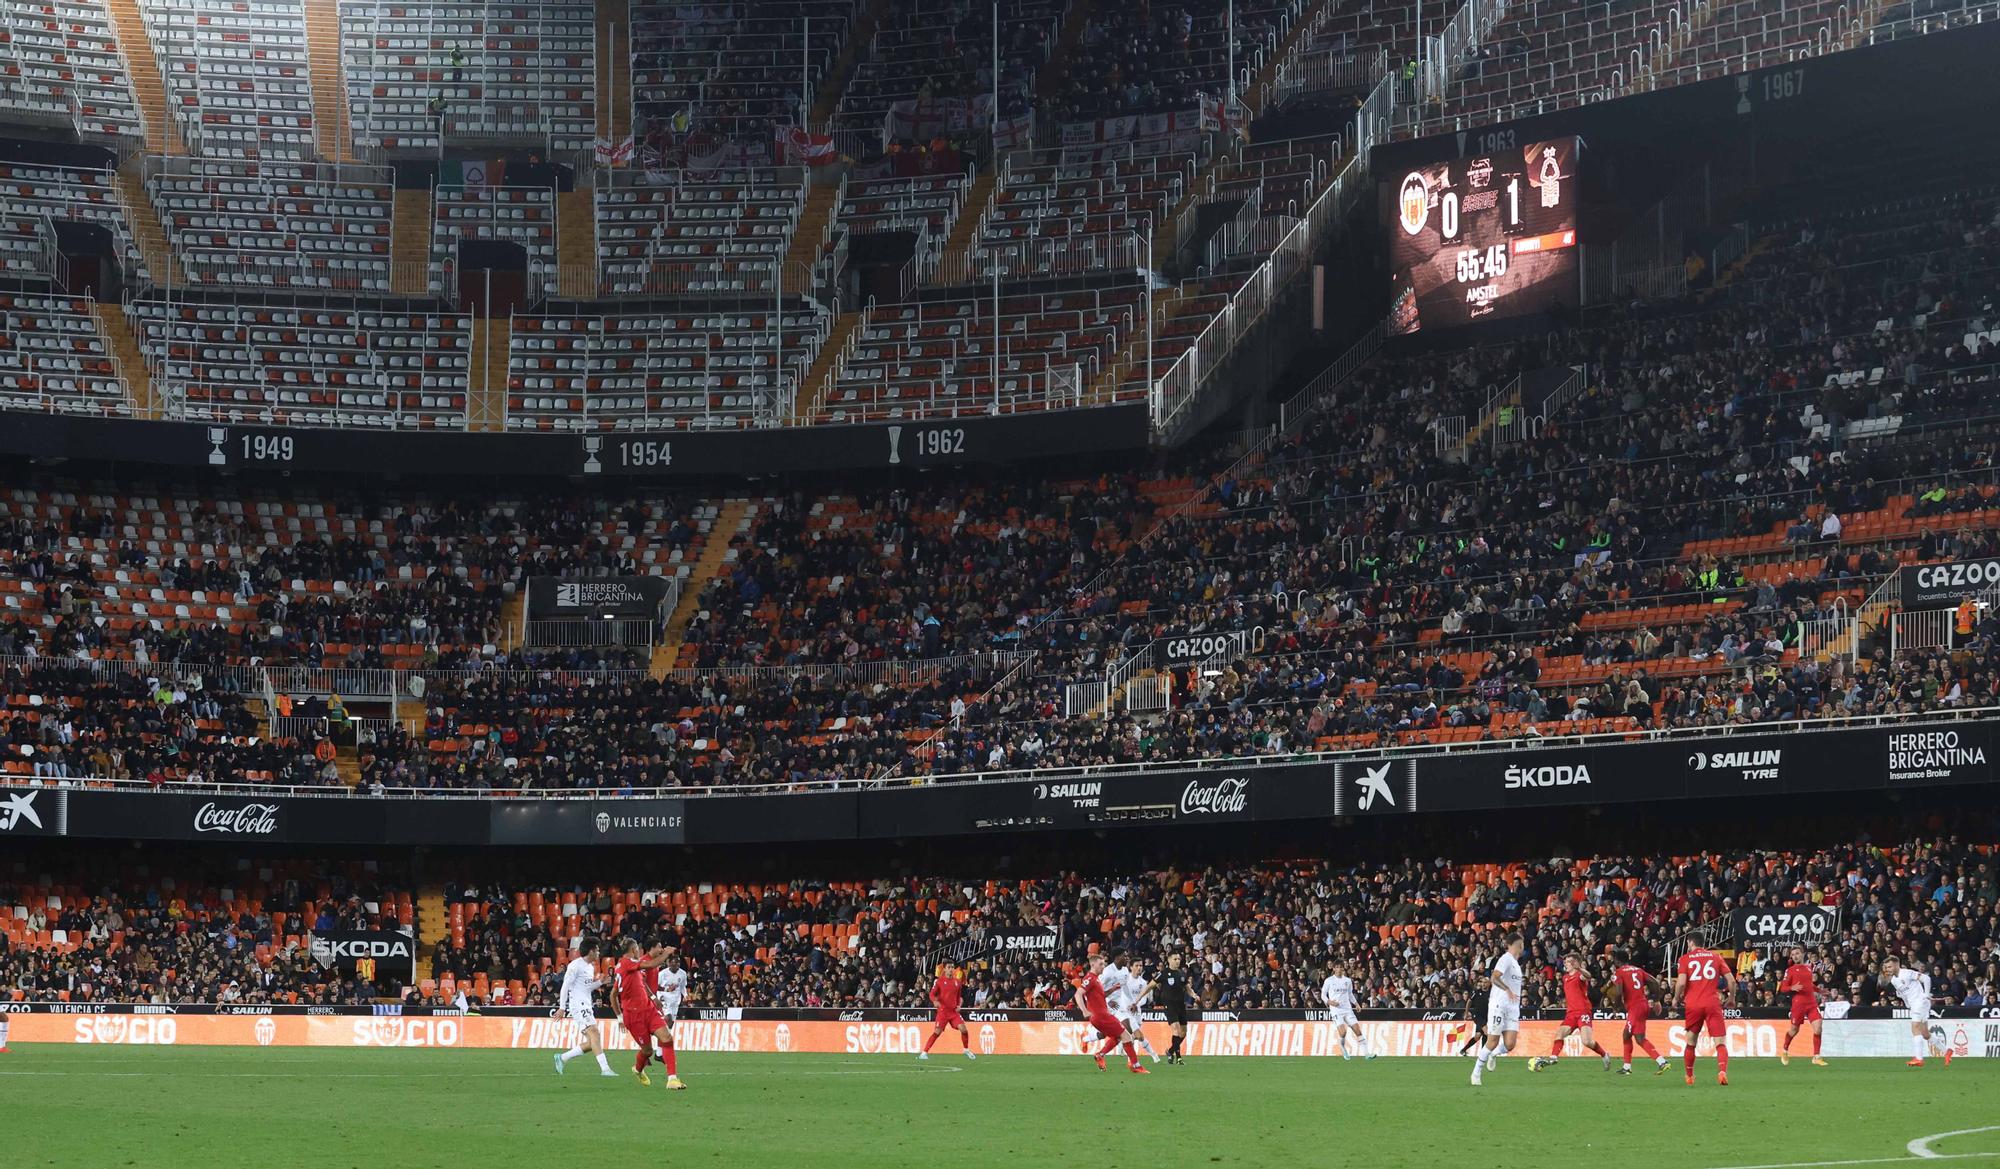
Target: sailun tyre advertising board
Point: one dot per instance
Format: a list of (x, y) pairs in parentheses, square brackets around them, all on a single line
[(1523, 774)]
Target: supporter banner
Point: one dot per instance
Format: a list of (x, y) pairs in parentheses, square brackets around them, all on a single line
[(798, 147), (601, 596), (1179, 126), (1753, 1038), (1866, 759), (394, 953), (1940, 586), (1042, 434), (1805, 925), (916, 120)]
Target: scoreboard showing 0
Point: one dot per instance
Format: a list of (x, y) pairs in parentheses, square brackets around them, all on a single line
[(1483, 238)]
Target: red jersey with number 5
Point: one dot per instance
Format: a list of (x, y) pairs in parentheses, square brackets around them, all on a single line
[(1632, 984), (1705, 973)]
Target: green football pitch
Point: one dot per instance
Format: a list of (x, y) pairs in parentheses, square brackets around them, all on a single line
[(282, 1108)]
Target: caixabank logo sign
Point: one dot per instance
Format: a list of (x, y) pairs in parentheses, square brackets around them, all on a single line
[(1376, 787), (35, 812)]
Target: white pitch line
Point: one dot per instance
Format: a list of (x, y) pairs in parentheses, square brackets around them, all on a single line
[(1903, 1160), (1921, 1147), (201, 1075)]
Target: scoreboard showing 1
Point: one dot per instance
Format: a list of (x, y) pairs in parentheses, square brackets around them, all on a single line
[(1484, 238)]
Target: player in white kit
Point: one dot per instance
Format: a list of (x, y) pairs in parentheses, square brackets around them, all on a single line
[(1337, 992), (1132, 1005), (577, 1000), (673, 989), (1913, 986), (1503, 1009)]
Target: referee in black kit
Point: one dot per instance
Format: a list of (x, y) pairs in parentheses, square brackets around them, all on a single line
[(1170, 991)]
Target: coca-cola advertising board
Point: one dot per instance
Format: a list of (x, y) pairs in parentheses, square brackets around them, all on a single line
[(231, 818)]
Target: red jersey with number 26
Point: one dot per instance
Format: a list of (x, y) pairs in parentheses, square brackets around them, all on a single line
[(1704, 973), (1632, 984)]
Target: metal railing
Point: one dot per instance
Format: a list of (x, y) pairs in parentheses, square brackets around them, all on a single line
[(1317, 392), (1829, 638), (1174, 391), (889, 778), (580, 632), (386, 683), (1326, 70), (1921, 629)]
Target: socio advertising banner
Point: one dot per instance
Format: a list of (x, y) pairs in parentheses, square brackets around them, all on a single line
[(905, 1034)]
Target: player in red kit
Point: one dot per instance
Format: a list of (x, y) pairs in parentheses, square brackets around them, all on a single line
[(1630, 981), (945, 994), (1576, 1017), (1798, 979), (1702, 980), (637, 975), (1091, 1001)]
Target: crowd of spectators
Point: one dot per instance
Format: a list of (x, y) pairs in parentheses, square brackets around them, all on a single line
[(70, 719), (1417, 933), (1397, 586), (1162, 57), (174, 932)]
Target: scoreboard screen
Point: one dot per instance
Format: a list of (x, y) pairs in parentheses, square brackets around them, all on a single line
[(1474, 239)]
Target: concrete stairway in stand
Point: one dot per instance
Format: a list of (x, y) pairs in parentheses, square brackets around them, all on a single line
[(952, 262), (486, 405), (145, 221), (1049, 79), (512, 617), (410, 242), (433, 927), (576, 244), (347, 761), (131, 363), (826, 98), (1166, 306), (730, 521), (806, 239), (819, 379), (163, 135), (332, 126)]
